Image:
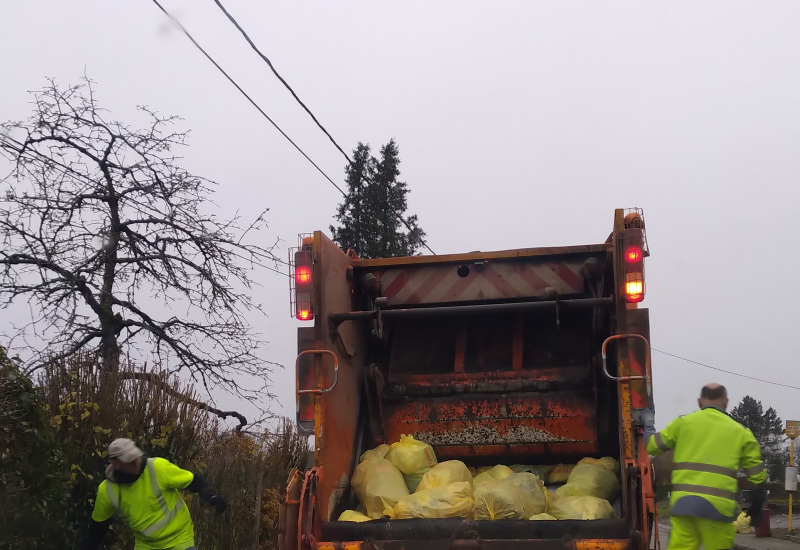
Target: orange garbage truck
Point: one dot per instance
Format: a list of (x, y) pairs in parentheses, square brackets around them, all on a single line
[(532, 356)]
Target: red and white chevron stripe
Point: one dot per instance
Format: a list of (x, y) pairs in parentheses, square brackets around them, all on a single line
[(498, 280)]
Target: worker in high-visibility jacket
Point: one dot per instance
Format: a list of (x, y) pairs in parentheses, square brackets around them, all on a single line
[(143, 492), (710, 448)]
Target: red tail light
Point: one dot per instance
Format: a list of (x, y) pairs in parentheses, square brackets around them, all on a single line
[(304, 285), (633, 254), (302, 274), (633, 287)]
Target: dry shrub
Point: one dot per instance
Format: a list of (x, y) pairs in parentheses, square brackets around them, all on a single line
[(239, 465), (88, 408)]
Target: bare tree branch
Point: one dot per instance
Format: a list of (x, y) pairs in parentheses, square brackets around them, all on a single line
[(158, 380), (104, 235)]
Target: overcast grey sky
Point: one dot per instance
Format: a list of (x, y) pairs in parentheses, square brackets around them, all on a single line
[(519, 124)]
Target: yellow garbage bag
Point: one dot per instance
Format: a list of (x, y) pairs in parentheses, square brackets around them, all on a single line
[(445, 473), (413, 458), (540, 470), (448, 501), (492, 475), (743, 524), (352, 515), (581, 508), (378, 485), (378, 452), (560, 473), (542, 517), (610, 464), (533, 487), (518, 496), (590, 480), (500, 501)]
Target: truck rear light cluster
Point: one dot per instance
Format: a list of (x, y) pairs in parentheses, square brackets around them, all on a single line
[(634, 244), (302, 280)]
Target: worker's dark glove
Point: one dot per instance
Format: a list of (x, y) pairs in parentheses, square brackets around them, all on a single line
[(648, 417), (755, 503), (217, 503)]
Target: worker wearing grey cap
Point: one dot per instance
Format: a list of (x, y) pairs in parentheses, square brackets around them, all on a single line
[(143, 492)]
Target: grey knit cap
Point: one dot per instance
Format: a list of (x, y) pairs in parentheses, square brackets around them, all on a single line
[(124, 450)]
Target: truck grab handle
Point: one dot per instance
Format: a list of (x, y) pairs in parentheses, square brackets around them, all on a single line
[(648, 376), (335, 370)]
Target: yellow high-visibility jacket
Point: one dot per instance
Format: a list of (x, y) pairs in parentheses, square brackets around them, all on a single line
[(151, 505), (710, 447)]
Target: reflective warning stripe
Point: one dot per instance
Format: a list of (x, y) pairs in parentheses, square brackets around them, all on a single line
[(156, 489), (708, 468), (753, 470), (163, 522), (168, 515), (660, 442), (703, 490), (112, 495)]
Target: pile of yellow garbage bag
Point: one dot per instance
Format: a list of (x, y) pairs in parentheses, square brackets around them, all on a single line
[(404, 480), (743, 524)]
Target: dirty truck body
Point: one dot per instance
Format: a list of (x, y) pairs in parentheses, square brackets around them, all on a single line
[(526, 356)]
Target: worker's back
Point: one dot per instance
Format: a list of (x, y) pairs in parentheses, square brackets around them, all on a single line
[(709, 436), (710, 447)]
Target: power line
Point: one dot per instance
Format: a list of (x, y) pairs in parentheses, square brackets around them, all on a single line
[(288, 87), (275, 72), (726, 371), (232, 81)]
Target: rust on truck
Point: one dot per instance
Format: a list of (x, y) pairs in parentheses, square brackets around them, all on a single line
[(527, 356)]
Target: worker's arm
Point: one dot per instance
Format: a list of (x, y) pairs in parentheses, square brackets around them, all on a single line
[(171, 476), (751, 461), (660, 442), (95, 535), (101, 520), (207, 493)]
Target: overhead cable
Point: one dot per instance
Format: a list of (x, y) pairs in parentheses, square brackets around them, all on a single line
[(303, 105), (288, 87), (275, 72), (727, 371), (232, 81)]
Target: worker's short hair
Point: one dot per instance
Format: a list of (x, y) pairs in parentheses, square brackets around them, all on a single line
[(713, 393)]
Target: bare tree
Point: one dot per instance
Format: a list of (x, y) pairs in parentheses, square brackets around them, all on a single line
[(106, 238)]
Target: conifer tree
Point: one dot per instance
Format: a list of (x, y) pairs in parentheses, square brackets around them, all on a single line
[(767, 427), (372, 219)]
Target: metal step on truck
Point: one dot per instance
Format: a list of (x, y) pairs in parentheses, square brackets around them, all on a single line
[(527, 356)]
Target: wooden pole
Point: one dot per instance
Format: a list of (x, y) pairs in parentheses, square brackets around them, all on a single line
[(257, 519)]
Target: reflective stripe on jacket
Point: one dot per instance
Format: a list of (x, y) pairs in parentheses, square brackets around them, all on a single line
[(710, 447), (151, 506)]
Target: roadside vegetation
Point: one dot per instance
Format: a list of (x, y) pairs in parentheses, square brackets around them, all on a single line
[(54, 432)]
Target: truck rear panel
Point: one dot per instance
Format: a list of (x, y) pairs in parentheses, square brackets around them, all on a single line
[(490, 358)]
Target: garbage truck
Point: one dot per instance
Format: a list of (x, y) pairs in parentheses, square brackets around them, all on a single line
[(525, 356)]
